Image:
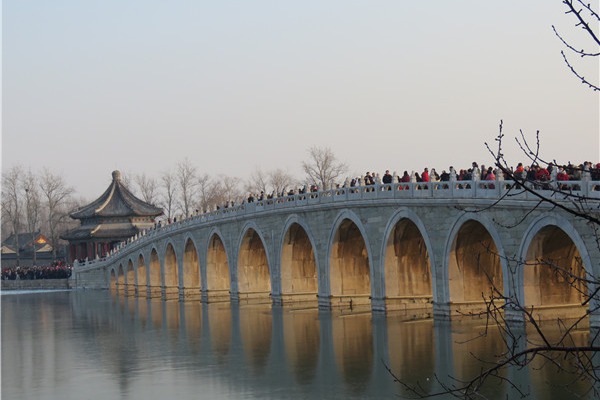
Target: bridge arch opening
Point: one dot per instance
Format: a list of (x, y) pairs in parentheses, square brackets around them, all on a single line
[(142, 279), (474, 268), (130, 278), (191, 271), (349, 267), (154, 288), (217, 271), (553, 275), (407, 269), (254, 281), (171, 273), (298, 266)]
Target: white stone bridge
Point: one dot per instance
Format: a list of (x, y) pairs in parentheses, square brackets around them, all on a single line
[(424, 248)]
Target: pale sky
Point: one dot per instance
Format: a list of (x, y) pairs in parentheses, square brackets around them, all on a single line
[(94, 86)]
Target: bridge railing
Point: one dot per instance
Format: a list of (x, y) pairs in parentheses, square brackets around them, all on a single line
[(559, 190)]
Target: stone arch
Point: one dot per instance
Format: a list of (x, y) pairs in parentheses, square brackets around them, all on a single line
[(474, 263), (349, 262), (552, 256), (253, 272), (299, 271), (130, 278), (218, 278), (191, 270), (407, 264), (154, 281), (171, 272), (142, 276)]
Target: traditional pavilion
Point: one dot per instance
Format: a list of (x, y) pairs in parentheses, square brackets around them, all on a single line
[(114, 217)]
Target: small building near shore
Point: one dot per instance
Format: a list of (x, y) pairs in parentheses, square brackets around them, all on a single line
[(114, 217), (18, 249)]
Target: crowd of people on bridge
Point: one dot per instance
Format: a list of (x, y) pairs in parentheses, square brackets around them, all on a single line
[(56, 270), (533, 173), (539, 175)]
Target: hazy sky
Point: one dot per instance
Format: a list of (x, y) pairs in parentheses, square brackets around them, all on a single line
[(94, 86)]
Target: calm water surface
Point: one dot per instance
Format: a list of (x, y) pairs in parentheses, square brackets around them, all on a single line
[(94, 345)]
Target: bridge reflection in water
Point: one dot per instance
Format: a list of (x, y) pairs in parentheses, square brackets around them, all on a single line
[(140, 348)]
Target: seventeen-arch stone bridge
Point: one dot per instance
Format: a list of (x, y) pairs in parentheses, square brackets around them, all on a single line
[(434, 248)]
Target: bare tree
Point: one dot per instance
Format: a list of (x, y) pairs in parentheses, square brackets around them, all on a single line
[(169, 193), (206, 193), (187, 181), (322, 168), (587, 19), (55, 194), (280, 180), (258, 182), (148, 188), (12, 202), (32, 207), (276, 180), (226, 190)]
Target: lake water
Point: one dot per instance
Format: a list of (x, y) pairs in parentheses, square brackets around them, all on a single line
[(97, 345)]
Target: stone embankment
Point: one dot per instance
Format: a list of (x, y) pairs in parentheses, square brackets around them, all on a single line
[(36, 284)]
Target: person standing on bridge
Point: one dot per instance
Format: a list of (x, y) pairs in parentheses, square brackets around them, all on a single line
[(387, 177), (425, 175)]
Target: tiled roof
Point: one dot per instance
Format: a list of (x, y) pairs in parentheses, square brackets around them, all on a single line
[(117, 201), (104, 231)]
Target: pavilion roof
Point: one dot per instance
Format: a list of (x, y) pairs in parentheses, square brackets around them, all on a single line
[(117, 201)]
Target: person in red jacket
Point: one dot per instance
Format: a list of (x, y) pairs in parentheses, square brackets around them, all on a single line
[(425, 175), (542, 174), (562, 176), (520, 171)]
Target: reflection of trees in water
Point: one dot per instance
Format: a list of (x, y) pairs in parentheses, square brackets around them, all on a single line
[(110, 333), (547, 381), (411, 350), (472, 352), (256, 330), (353, 346), (301, 336), (26, 356)]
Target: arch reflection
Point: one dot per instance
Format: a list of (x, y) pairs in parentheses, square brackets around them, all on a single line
[(219, 325), (256, 330), (302, 341), (353, 349)]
